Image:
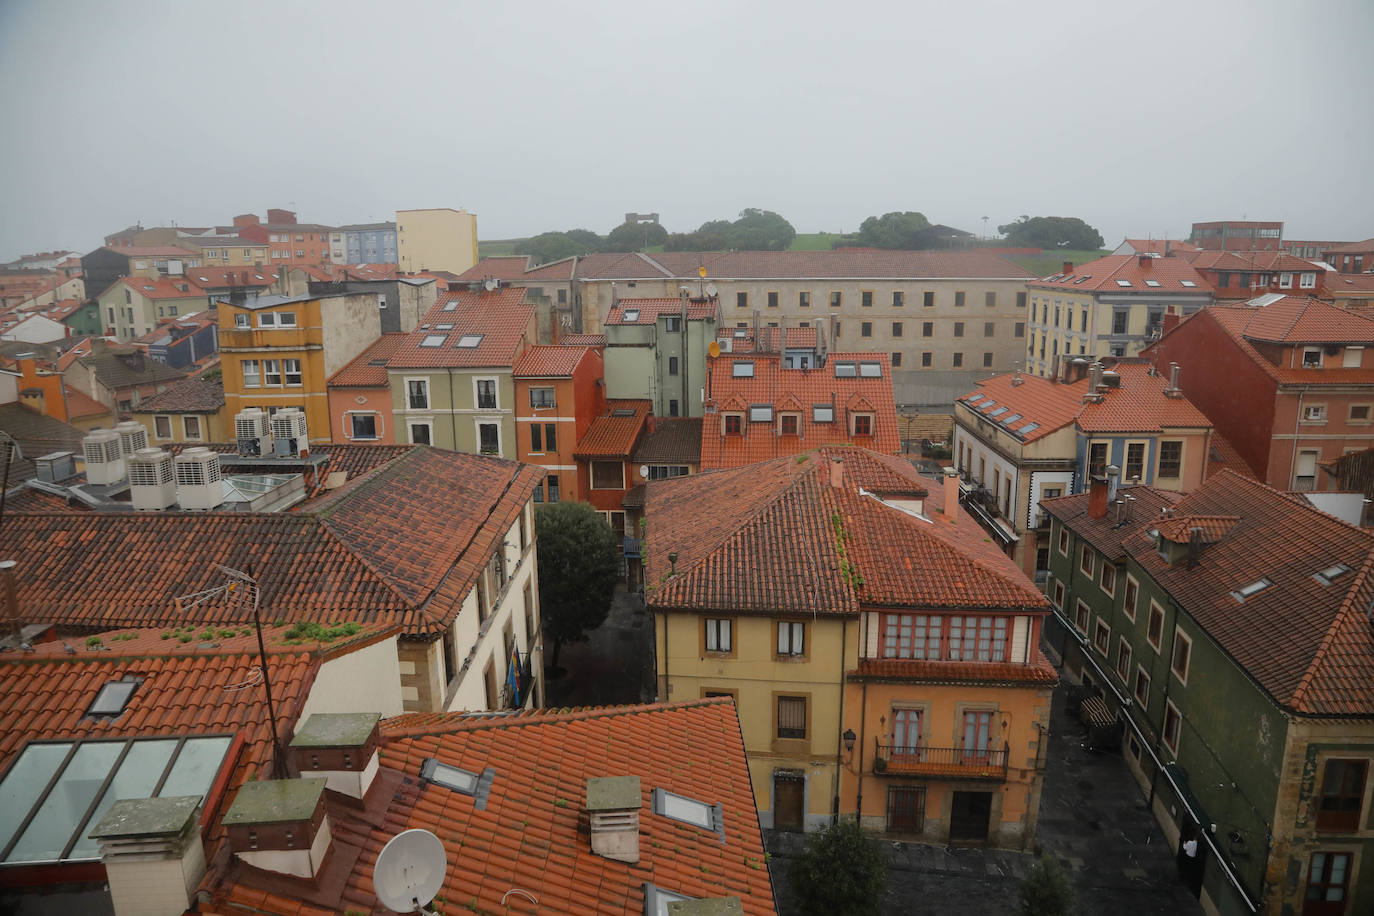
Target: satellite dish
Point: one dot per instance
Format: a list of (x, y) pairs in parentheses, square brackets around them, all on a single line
[(711, 289), (713, 349), (643, 470), (409, 871), (490, 284)]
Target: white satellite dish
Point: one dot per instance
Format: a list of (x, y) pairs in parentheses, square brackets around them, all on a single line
[(410, 870), (490, 284), (711, 290)]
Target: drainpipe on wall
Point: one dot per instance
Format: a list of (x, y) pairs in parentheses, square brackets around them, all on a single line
[(452, 413), (1293, 455), (839, 741)]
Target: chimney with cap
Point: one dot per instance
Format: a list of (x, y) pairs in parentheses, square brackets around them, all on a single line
[(1068, 267), (153, 854), (341, 748), (613, 804), (1145, 260), (280, 825), (951, 493), (1173, 391)]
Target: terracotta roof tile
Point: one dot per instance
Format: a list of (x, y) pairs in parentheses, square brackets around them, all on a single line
[(368, 368), (1102, 275), (164, 287), (549, 362), (614, 433), (1107, 534), (1040, 671), (647, 311), (498, 321), (583, 340), (1222, 455), (190, 395), (675, 440), (1179, 528)]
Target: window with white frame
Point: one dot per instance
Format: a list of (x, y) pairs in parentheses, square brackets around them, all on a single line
[(791, 638), (1085, 560), (421, 433), (1141, 689), (271, 373), (252, 373), (1314, 413), (1123, 659), (485, 393), (1081, 615), (362, 425), (1312, 358), (1108, 578), (1131, 597), (1285, 279), (1308, 279), (190, 425), (243, 320), (1063, 541), (1102, 636), (291, 369), (162, 427), (541, 398), (489, 438), (417, 393), (1352, 357)]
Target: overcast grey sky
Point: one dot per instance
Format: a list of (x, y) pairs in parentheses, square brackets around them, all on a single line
[(1139, 118)]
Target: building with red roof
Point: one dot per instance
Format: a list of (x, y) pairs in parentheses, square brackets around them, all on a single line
[(1284, 378), (656, 349), (1247, 274), (1227, 636), (1113, 306), (1352, 257), (559, 394), (772, 583), (1237, 235), (605, 473), (360, 396), (134, 305), (765, 402)]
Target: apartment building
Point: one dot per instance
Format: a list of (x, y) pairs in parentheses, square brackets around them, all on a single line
[(559, 393), (363, 243), (656, 350), (133, 306), (436, 239)]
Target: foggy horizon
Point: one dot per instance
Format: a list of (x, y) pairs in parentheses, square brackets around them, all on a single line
[(546, 118)]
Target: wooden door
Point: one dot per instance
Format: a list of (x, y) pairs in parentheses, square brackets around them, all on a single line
[(968, 817), (789, 802)]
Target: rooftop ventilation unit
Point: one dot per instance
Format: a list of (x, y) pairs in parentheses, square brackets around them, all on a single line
[(104, 457), (132, 436), (251, 431), (198, 479), (152, 485), (55, 467), (289, 438)]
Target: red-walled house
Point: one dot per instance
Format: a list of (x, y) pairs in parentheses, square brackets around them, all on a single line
[(1244, 275), (1287, 380), (604, 471), (558, 393)]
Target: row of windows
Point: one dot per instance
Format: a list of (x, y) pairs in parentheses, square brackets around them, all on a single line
[(928, 329), (271, 373), (789, 423), (944, 638), (190, 427), (484, 394), (718, 637), (867, 299), (243, 320), (228, 253)]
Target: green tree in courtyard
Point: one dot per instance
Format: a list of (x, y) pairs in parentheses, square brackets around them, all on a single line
[(579, 562), (1046, 890), (840, 873)]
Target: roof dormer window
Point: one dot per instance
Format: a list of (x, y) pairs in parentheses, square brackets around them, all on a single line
[(742, 368), (631, 315), (871, 370)]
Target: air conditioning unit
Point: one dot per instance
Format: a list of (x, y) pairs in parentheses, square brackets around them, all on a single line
[(104, 457), (198, 479), (152, 485), (727, 345), (289, 437), (251, 431), (132, 436)]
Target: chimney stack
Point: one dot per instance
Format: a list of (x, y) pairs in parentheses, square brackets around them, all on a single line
[(1097, 496), (1068, 267), (280, 825), (951, 493), (836, 473), (153, 854), (1173, 390), (1145, 260), (10, 592), (342, 749), (613, 804)]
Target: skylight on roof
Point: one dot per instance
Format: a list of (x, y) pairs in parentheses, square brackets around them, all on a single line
[(687, 810), (741, 333), (1011, 419), (1082, 278), (469, 341), (846, 370), (742, 368), (986, 404), (1028, 429), (113, 697), (1123, 282), (998, 412), (623, 412), (1151, 282), (973, 398), (760, 413), (1187, 283), (1248, 591), (434, 340), (631, 314), (450, 777), (443, 327), (451, 305), (1331, 573), (871, 370)]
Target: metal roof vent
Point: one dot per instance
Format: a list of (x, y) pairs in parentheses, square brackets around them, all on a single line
[(198, 479), (152, 485), (104, 457), (55, 467), (613, 811), (251, 432), (289, 435), (132, 436)]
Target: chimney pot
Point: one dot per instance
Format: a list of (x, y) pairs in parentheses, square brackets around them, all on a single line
[(836, 472), (152, 853), (1068, 267), (1097, 496), (280, 825), (951, 493), (1145, 260), (341, 748)]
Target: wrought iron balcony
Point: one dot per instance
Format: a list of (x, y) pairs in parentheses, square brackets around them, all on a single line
[(630, 547), (941, 762)]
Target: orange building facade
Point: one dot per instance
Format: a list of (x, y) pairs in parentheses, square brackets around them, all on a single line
[(558, 393)]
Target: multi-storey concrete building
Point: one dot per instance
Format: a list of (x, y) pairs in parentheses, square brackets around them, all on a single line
[(1238, 235), (656, 350), (364, 243), (437, 239)]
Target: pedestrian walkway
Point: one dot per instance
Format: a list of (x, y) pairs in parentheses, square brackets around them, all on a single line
[(1093, 819), (614, 666)]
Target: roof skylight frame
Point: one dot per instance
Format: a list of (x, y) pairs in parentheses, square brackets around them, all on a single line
[(456, 779), (1007, 421), (687, 810), (451, 305), (1250, 590), (1331, 573), (822, 413), (656, 899), (434, 340), (1188, 283), (742, 368), (1028, 429), (1151, 282), (1123, 283), (113, 697), (630, 315), (847, 368), (760, 413), (623, 412), (870, 369), (999, 411), (469, 341)]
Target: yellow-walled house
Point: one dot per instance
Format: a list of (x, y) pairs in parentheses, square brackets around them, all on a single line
[(436, 239), (279, 351), (190, 411), (883, 654)]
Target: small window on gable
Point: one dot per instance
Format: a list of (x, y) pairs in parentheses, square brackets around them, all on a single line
[(113, 697), (846, 370), (822, 413), (871, 370), (688, 810), (469, 341), (760, 413), (1331, 573), (742, 369), (1249, 591), (450, 777)]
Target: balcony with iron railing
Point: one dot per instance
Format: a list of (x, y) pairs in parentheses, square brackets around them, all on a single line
[(941, 762)]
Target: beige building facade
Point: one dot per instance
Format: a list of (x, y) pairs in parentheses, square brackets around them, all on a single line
[(438, 239)]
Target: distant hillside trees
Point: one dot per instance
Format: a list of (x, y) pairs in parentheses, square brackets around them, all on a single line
[(755, 230), (1052, 232), (892, 230)]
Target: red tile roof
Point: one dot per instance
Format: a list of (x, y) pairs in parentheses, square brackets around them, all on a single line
[(1107, 534), (164, 287), (1103, 274), (549, 362), (218, 277), (742, 340), (528, 833), (80, 404), (1222, 455), (368, 368), (1308, 644), (612, 436), (506, 267), (583, 340), (674, 440), (402, 544), (781, 537), (1005, 674), (794, 390), (499, 317), (647, 311), (1042, 406), (190, 395), (1179, 528), (1352, 247)]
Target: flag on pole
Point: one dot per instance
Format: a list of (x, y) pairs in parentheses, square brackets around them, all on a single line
[(513, 672)]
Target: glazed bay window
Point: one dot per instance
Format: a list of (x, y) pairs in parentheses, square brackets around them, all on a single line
[(791, 638), (608, 475), (252, 373), (718, 635), (938, 637)]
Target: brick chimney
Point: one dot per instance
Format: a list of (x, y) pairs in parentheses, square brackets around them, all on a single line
[(613, 804), (951, 493), (341, 748), (836, 472), (1145, 260), (153, 854), (1098, 490), (1067, 267), (280, 825)]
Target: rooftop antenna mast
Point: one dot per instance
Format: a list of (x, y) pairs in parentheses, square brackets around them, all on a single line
[(241, 588)]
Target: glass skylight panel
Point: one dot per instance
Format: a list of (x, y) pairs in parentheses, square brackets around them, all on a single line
[(1331, 573), (741, 333), (973, 398), (1082, 278), (1007, 421), (623, 412), (24, 783), (56, 820), (742, 368), (112, 698), (443, 327), (1151, 282), (760, 413), (1187, 283), (1123, 282), (687, 810), (986, 404), (656, 900), (449, 777), (871, 370), (1248, 591), (137, 777), (195, 767), (1028, 429), (998, 412), (469, 341), (846, 370), (822, 413), (632, 315), (434, 340), (451, 305)]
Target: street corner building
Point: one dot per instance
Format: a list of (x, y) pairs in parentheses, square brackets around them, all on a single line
[(881, 650)]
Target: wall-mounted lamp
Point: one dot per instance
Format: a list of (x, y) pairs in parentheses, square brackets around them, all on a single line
[(849, 739)]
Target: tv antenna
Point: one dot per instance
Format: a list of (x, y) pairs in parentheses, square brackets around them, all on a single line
[(409, 871)]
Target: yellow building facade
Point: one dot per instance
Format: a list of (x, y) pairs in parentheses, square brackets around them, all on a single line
[(438, 239)]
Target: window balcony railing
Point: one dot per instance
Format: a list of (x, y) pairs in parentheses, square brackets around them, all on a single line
[(630, 547), (944, 762)]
